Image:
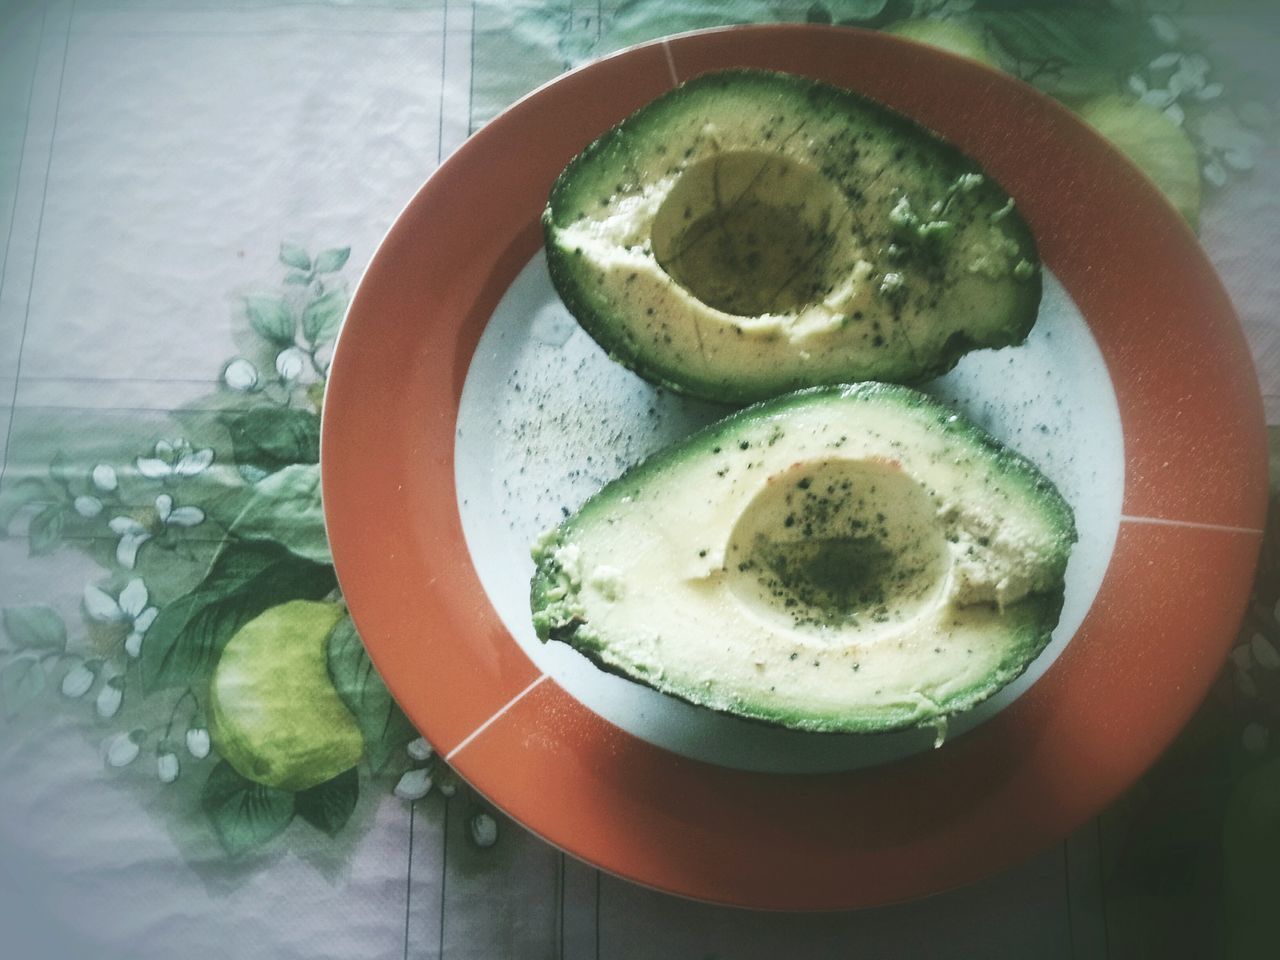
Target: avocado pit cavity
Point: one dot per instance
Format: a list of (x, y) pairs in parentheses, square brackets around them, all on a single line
[(752, 233), (838, 543)]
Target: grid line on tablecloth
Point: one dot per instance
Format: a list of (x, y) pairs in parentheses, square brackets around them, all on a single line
[(44, 196), (560, 903), (273, 32), (444, 67), (221, 6), (471, 76), (444, 874), (408, 878), (1066, 891), (195, 381), (1102, 891), (22, 154)]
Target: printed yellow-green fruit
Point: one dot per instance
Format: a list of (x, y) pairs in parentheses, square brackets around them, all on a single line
[(274, 713), (1154, 142), (946, 35)]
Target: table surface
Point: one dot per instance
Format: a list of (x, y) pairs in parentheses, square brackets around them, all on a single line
[(178, 180)]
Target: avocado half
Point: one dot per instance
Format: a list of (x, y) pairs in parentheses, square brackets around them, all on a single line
[(751, 233), (840, 559)]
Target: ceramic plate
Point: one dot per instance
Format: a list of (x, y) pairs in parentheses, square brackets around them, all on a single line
[(466, 412)]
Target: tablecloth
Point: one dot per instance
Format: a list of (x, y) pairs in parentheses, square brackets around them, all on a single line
[(188, 193)]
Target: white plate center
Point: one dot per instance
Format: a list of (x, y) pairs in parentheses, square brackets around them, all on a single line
[(546, 419)]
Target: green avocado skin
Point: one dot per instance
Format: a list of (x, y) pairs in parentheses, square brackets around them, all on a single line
[(1027, 626), (623, 162)]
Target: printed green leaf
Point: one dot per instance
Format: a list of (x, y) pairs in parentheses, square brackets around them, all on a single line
[(297, 279), (16, 495), (1075, 36), (385, 728), (272, 318), (328, 806), (817, 13), (330, 261), (285, 507), (246, 578), (322, 316), (21, 682), (46, 529), (35, 628), (851, 11), (274, 437), (292, 255), (244, 814), (60, 469)]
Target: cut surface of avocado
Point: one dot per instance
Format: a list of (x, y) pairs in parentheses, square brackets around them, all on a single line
[(840, 559), (751, 233)]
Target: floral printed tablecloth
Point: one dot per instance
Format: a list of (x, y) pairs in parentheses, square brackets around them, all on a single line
[(188, 193)]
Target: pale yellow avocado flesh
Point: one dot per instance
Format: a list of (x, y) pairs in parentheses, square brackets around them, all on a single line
[(751, 233), (841, 559)]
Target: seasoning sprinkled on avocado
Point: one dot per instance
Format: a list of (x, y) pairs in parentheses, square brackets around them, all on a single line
[(845, 558), (719, 240)]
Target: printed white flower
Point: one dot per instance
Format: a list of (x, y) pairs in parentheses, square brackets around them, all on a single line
[(170, 515), (87, 506), (176, 459), (134, 534), (419, 749), (291, 362), (1264, 652), (484, 830), (77, 681), (414, 785), (167, 766), (133, 642), (1255, 738), (129, 607), (104, 477), (1225, 143), (1164, 28), (1175, 113), (1158, 98), (198, 742), (1171, 74), (1193, 68), (123, 748), (110, 697), (240, 375), (448, 788), (1238, 159)]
